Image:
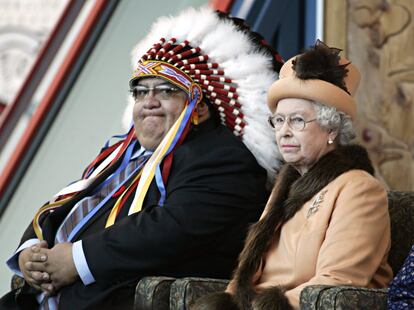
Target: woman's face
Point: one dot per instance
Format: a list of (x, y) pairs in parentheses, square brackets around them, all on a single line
[(301, 146)]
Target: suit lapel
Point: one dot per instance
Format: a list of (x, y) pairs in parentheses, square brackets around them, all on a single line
[(151, 197)]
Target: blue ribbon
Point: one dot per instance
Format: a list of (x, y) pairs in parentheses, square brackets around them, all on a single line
[(125, 161), (106, 145), (102, 203), (186, 118)]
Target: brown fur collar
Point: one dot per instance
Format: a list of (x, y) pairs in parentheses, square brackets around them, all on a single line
[(289, 194)]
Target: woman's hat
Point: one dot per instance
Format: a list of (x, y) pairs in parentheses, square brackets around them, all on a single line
[(290, 85)]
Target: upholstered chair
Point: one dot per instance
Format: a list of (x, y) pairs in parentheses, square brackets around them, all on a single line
[(161, 293), (166, 293)]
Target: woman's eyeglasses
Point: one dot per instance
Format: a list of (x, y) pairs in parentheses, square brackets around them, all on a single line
[(294, 122)]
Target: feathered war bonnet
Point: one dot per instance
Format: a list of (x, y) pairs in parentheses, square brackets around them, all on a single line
[(320, 74), (212, 57), (201, 49)]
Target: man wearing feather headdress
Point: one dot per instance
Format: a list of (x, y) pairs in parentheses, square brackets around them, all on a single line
[(175, 194)]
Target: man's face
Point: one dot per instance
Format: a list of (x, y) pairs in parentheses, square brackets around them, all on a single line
[(158, 104)]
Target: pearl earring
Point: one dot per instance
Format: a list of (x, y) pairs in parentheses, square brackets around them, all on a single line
[(330, 141)]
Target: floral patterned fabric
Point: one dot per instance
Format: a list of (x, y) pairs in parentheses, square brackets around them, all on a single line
[(342, 297), (153, 293), (401, 289), (16, 282), (310, 296), (185, 291)]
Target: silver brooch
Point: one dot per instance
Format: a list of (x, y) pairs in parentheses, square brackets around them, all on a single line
[(315, 204)]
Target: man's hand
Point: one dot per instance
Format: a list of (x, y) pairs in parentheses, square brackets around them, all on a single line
[(34, 277), (59, 266)]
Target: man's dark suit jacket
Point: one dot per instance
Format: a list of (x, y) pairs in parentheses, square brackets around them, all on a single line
[(215, 189)]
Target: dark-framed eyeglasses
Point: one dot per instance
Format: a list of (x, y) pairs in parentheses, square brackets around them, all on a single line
[(297, 123), (161, 92)]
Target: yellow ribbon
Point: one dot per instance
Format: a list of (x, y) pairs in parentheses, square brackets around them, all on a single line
[(112, 216), (149, 169), (36, 225)]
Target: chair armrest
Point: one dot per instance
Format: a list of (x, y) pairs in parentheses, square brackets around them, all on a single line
[(16, 282), (184, 292), (153, 293), (342, 297)]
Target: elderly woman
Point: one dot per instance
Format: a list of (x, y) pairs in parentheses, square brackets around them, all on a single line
[(327, 220)]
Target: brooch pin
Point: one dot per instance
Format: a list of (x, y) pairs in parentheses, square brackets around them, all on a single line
[(316, 203)]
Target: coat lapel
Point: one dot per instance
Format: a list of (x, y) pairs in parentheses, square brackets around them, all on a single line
[(290, 193)]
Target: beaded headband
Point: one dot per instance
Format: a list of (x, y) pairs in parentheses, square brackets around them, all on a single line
[(182, 66)]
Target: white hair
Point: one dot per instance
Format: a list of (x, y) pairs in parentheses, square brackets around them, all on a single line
[(331, 119)]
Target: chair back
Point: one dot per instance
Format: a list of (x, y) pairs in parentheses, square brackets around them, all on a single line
[(401, 208)]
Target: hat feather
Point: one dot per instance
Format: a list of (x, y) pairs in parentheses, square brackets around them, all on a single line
[(321, 62)]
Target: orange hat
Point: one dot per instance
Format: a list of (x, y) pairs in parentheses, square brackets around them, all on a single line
[(290, 85)]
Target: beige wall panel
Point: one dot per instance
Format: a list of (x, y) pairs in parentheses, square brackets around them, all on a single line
[(380, 41), (335, 23)]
